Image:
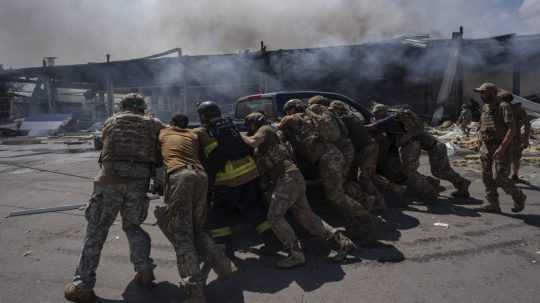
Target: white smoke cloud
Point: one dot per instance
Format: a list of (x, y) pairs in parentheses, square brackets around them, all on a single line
[(84, 30)]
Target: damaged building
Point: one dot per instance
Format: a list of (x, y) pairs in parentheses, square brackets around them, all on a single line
[(433, 76)]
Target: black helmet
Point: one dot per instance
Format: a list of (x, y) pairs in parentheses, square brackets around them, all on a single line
[(256, 118), (209, 109)]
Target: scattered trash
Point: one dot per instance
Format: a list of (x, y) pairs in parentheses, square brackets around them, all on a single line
[(27, 253), (440, 224), (534, 261), (116, 237), (43, 210), (538, 252), (450, 149)]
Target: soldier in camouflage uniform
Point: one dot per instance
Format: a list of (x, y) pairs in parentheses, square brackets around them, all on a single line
[(344, 144), (437, 153), (521, 140), (497, 128), (409, 153), (128, 156), (308, 144), (288, 192), (185, 215), (388, 176), (365, 151)]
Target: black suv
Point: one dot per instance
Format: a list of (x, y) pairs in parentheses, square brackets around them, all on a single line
[(271, 104)]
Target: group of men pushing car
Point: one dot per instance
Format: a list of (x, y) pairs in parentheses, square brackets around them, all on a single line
[(254, 178)]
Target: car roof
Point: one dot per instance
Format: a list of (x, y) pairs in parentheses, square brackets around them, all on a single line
[(305, 93), (292, 93)]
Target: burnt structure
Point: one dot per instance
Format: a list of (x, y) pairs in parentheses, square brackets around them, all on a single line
[(432, 76)]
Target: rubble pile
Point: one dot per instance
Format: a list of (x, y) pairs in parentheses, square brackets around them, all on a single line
[(466, 148)]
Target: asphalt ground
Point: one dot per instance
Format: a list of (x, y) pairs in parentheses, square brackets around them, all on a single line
[(476, 257)]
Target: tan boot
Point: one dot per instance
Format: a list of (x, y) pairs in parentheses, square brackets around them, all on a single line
[(79, 295), (296, 258), (519, 203), (343, 245), (145, 278)]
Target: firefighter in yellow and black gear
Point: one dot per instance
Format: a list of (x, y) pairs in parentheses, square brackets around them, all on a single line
[(233, 178)]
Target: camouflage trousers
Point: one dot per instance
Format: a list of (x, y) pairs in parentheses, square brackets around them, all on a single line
[(440, 167), (495, 174), (186, 194), (347, 149), (289, 193), (416, 182), (331, 172), (365, 163), (130, 200)]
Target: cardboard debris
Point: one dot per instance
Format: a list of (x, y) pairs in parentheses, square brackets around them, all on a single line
[(45, 124)]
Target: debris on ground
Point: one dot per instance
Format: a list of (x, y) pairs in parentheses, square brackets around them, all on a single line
[(44, 210), (441, 224), (465, 149), (27, 253)]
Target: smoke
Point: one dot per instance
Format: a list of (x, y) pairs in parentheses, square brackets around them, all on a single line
[(79, 31)]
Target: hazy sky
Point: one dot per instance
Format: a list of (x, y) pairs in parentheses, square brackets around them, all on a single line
[(80, 31)]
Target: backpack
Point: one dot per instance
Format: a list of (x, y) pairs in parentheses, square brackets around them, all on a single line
[(329, 127), (130, 137), (409, 120), (230, 144)]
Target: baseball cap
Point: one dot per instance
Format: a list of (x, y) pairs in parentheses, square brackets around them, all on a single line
[(485, 86)]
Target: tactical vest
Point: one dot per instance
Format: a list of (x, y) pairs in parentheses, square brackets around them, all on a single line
[(329, 126), (306, 139), (228, 159), (410, 121), (273, 156), (230, 145), (492, 125), (130, 137), (358, 133)]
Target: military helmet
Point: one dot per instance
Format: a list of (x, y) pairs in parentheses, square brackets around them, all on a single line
[(338, 106), (319, 100), (379, 107), (505, 96), (293, 103), (210, 109), (133, 102), (256, 118)]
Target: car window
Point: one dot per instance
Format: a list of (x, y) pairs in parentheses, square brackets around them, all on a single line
[(246, 107)]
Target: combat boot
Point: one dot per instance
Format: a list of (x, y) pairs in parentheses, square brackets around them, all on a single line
[(194, 294), (519, 203), (362, 229), (462, 190), (343, 245), (222, 265), (145, 278), (79, 295), (294, 259), (271, 244), (436, 183)]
